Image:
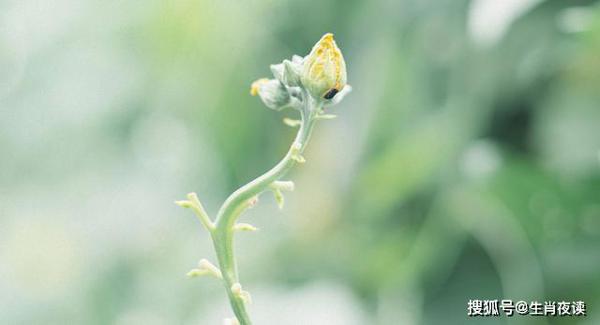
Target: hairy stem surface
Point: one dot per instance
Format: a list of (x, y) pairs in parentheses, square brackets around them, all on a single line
[(244, 197)]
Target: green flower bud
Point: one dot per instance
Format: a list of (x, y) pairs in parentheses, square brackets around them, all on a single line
[(288, 72), (272, 92), (324, 70)]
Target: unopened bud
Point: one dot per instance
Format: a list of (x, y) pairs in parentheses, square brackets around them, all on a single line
[(205, 268), (283, 185), (324, 71), (272, 92), (237, 290), (244, 227)]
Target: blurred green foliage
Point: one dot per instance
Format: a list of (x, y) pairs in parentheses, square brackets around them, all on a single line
[(465, 164)]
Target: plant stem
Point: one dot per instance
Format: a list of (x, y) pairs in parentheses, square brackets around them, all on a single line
[(241, 199)]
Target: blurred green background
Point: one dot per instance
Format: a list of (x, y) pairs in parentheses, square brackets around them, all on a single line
[(465, 164)]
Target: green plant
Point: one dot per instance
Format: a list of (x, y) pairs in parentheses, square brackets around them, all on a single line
[(307, 85)]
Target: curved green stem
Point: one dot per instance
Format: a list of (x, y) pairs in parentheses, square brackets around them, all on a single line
[(241, 199)]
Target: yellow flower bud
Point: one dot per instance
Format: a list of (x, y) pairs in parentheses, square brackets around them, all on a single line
[(324, 71), (255, 87), (272, 92)]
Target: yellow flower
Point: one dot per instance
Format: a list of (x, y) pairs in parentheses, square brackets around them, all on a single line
[(324, 71)]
